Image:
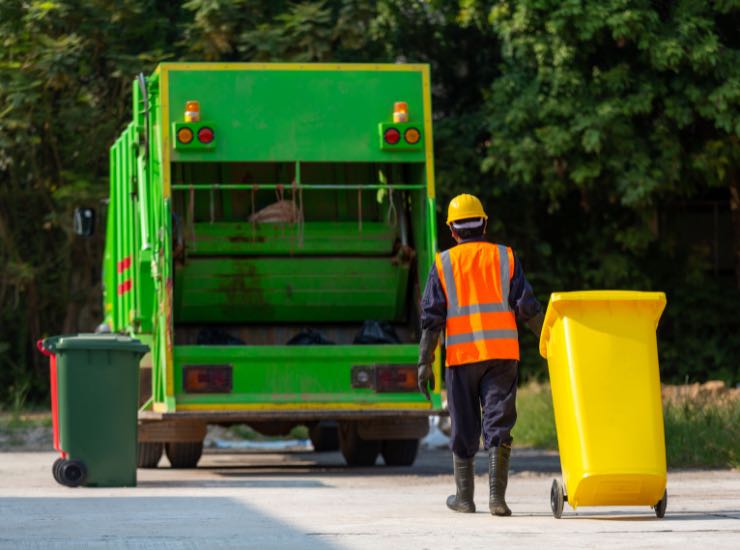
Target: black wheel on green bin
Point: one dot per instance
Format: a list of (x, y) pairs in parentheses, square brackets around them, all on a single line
[(184, 454), (661, 505), (55, 469), (399, 452), (149, 454), (557, 499), (324, 437), (72, 473), (355, 450)]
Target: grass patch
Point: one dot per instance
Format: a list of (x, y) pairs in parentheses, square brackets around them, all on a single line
[(25, 430), (11, 423), (535, 425), (699, 432), (702, 433)]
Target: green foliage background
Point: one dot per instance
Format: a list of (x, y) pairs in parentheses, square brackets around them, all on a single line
[(578, 123)]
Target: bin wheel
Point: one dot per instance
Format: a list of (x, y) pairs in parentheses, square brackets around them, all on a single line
[(557, 499), (149, 454), (72, 473), (399, 452), (661, 505), (55, 469), (185, 454), (355, 450)]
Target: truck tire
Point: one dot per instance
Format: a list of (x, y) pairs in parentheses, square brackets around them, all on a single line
[(149, 454), (184, 454), (400, 452), (355, 450), (324, 437)]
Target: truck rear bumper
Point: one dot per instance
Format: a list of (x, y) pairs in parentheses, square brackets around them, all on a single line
[(238, 416)]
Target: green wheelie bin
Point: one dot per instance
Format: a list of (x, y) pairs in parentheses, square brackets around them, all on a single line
[(97, 393)]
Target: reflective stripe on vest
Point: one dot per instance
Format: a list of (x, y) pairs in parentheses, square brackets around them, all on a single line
[(480, 324)]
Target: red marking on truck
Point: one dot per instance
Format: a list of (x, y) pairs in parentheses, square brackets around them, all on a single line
[(125, 286), (124, 264)]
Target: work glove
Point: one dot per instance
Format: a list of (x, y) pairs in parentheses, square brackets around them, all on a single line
[(425, 373), (535, 324)]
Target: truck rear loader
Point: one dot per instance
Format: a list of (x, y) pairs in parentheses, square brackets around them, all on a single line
[(268, 231)]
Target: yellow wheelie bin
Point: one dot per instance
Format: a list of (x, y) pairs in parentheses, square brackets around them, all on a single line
[(602, 356)]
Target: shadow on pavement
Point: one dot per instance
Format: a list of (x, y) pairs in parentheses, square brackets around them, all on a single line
[(650, 516), (227, 483), (84, 520), (430, 462)]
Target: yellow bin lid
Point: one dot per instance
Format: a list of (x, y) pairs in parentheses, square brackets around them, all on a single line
[(558, 300)]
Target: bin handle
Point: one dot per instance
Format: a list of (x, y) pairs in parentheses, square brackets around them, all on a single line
[(41, 348)]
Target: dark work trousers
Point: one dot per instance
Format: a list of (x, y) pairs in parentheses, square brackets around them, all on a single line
[(488, 385)]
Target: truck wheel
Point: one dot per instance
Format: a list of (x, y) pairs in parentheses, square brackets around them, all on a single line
[(72, 473), (400, 452), (357, 451), (149, 454), (184, 454), (324, 437)]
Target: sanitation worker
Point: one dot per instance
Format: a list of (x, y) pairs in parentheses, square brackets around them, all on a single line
[(476, 291)]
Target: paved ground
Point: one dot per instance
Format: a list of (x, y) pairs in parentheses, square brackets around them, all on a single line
[(294, 500)]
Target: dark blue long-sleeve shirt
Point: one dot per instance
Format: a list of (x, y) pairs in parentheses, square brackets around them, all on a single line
[(434, 303)]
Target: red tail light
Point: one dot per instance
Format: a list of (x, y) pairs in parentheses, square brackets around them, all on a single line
[(396, 378), (392, 136), (207, 378), (385, 378), (205, 135)]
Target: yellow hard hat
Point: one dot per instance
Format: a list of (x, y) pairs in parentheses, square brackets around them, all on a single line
[(464, 207)]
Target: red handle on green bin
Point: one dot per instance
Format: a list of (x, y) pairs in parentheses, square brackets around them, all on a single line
[(53, 386), (42, 349)]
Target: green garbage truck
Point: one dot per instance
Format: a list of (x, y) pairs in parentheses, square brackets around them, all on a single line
[(268, 231)]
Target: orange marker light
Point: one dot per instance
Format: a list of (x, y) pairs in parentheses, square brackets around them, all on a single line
[(185, 135), (400, 111), (412, 136), (192, 111)]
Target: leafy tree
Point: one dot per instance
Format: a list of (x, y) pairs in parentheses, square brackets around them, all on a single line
[(604, 114), (65, 74), (630, 103), (576, 122), (265, 30)]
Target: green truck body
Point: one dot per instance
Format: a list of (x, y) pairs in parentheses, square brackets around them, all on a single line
[(296, 211)]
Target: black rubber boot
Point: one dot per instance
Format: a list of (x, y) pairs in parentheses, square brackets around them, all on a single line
[(464, 480), (498, 472)]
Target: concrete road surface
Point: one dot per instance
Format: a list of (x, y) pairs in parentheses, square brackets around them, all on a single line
[(310, 500)]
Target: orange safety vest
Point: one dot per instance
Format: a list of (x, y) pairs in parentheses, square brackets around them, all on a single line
[(476, 277)]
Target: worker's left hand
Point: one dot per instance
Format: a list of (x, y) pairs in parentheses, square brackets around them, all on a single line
[(426, 376), (535, 324)]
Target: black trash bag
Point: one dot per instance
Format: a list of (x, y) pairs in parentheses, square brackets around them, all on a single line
[(376, 332), (213, 336), (309, 338)]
